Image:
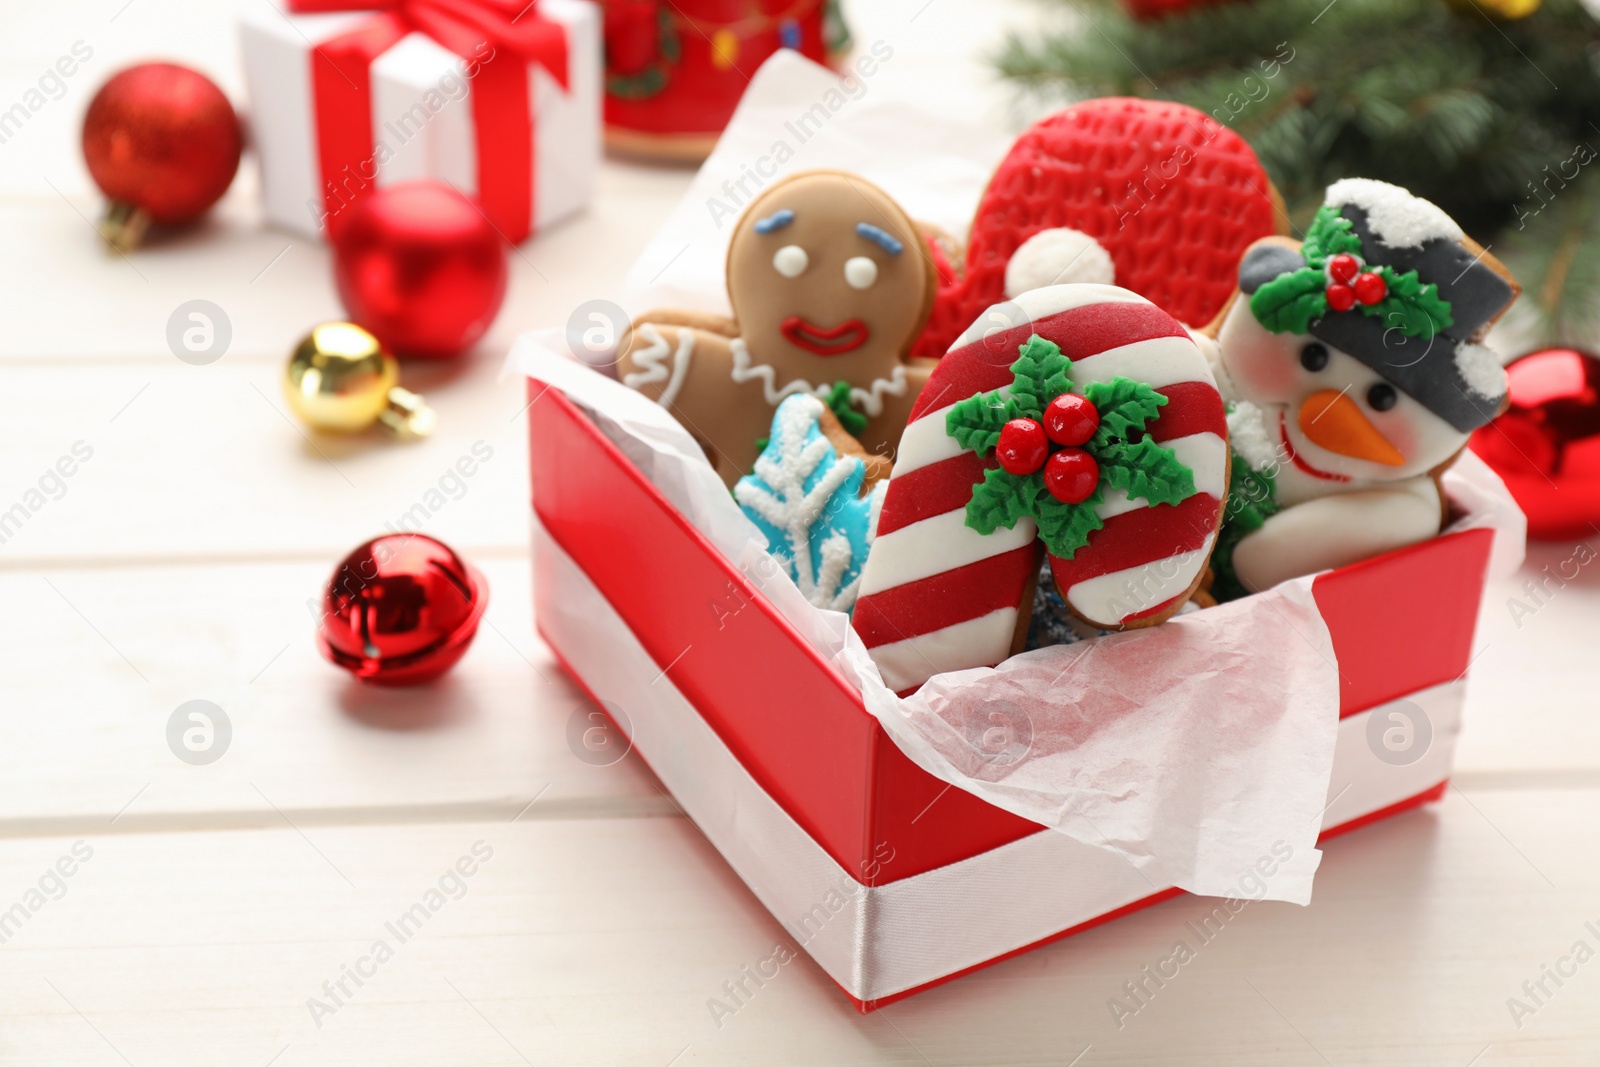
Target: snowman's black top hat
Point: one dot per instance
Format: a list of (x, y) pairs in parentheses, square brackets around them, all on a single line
[(1424, 296)]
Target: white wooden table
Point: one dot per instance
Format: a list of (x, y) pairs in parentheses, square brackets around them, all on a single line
[(208, 905)]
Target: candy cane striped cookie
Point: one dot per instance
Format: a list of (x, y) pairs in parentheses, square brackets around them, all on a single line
[(1080, 421)]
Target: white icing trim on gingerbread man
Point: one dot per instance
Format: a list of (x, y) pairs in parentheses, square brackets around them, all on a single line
[(651, 359), (871, 399)]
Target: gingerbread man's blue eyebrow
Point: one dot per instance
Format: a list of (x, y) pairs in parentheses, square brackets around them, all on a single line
[(882, 238), (775, 221)]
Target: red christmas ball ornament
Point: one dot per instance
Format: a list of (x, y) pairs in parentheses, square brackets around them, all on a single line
[(1371, 288), (400, 610), (1070, 420), (1022, 447), (421, 268), (1341, 297), (1071, 475), (1546, 445), (162, 142)]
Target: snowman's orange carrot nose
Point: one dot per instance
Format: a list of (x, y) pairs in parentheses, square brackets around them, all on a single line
[(1333, 421)]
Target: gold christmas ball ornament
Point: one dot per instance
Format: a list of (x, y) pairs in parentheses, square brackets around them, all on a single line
[(340, 379)]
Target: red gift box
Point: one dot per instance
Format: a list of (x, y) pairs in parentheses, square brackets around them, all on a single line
[(891, 879)]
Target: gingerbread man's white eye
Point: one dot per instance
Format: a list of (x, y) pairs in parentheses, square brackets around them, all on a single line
[(860, 272), (790, 261)]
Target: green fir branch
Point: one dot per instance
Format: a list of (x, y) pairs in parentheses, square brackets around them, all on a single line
[(1471, 112)]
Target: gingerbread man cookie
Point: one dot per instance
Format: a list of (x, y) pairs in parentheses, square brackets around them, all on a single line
[(830, 286), (1355, 370)]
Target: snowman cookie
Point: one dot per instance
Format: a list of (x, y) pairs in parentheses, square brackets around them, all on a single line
[(1355, 371), (830, 285), (1086, 429), (1153, 196)]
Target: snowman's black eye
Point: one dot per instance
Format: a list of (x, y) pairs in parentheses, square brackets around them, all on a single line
[(1314, 357), (1381, 397)]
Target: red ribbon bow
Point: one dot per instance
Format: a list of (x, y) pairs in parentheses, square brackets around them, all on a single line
[(499, 38)]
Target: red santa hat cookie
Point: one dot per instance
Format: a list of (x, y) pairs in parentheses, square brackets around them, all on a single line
[(1080, 421), (1156, 197)]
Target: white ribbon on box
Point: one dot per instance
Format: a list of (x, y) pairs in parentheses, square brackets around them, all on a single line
[(1199, 750)]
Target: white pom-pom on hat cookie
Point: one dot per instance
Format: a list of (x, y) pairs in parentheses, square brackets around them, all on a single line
[(1482, 370), (1057, 257)]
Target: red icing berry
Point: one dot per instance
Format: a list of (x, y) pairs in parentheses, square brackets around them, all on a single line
[(1371, 288), (1343, 267), (1070, 420), (1022, 448), (1071, 475), (1341, 297)]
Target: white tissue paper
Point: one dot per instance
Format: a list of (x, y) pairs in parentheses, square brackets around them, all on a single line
[(1194, 749)]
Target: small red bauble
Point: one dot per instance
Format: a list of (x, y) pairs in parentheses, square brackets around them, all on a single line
[(1546, 445), (400, 610), (1071, 475), (162, 142), (1343, 267), (1341, 297), (1371, 288), (419, 267), (1070, 420), (1022, 447)]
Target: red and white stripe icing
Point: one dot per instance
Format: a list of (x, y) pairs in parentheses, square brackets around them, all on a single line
[(938, 596)]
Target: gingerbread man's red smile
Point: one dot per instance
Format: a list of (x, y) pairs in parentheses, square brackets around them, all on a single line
[(830, 341)]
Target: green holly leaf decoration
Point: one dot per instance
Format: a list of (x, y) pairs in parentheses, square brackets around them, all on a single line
[(1125, 406), (1040, 376), (976, 422), (1289, 302), (1293, 300), (1330, 234), (1415, 309), (1001, 499), (1252, 500), (841, 404), (1146, 470), (1065, 528), (1142, 468), (1252, 497)]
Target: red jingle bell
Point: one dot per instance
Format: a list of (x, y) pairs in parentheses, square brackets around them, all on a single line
[(1546, 445), (401, 610), (420, 267)]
